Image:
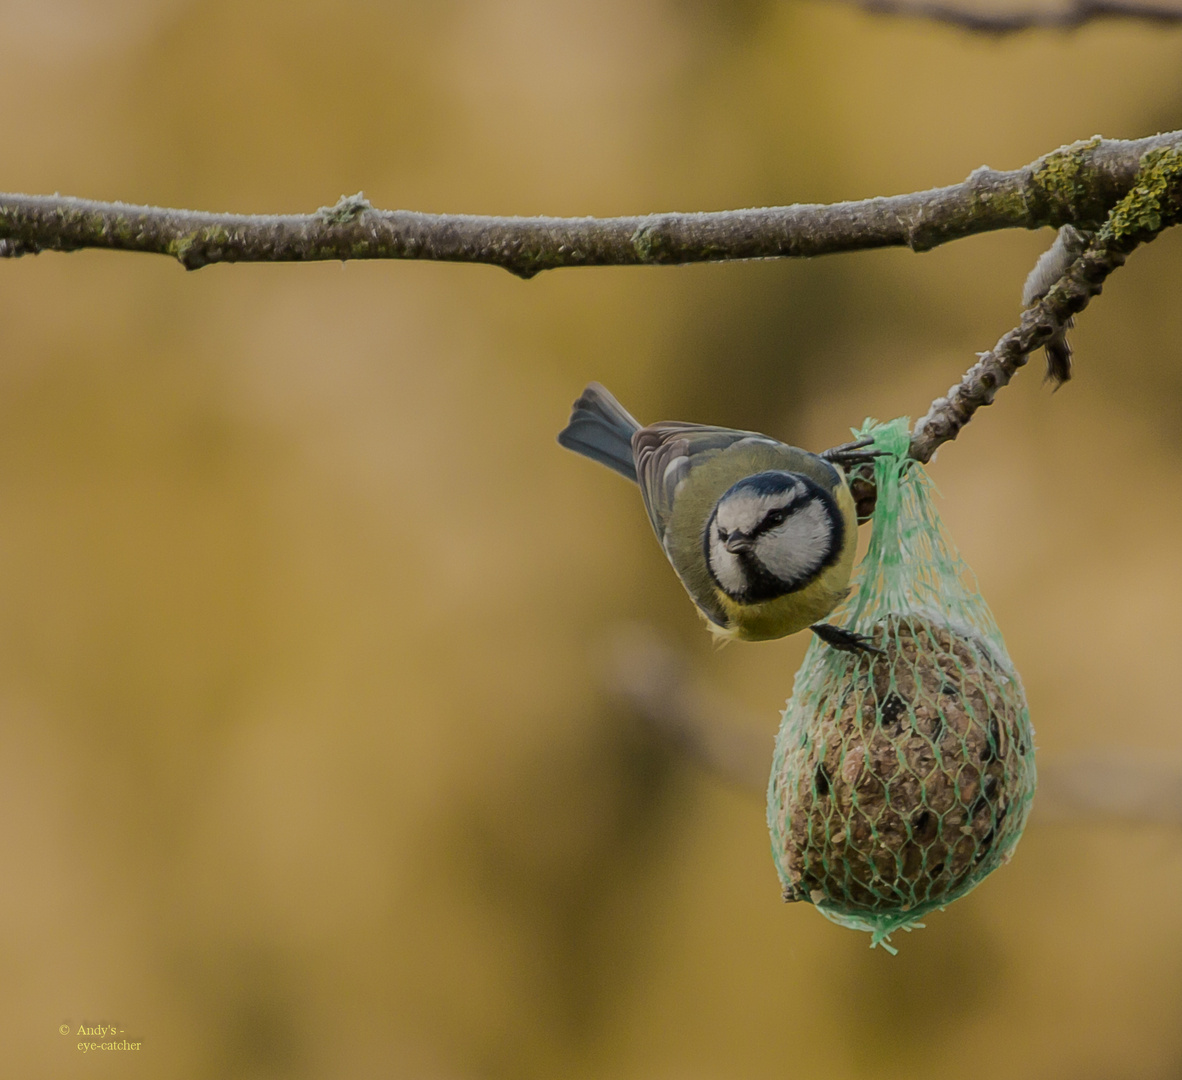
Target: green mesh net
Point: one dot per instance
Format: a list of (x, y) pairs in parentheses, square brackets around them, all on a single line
[(901, 780)]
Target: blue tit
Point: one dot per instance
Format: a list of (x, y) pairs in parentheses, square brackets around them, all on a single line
[(762, 535)]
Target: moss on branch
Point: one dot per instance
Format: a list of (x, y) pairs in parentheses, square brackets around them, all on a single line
[(1152, 203), (1079, 183)]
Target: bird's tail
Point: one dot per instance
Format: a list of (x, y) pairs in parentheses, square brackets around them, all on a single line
[(601, 428)]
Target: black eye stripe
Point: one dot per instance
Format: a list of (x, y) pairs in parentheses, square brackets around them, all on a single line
[(778, 516)]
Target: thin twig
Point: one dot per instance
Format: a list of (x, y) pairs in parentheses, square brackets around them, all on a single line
[(1077, 184), (1153, 204), (1068, 17), (995, 368), (1112, 784), (654, 680)]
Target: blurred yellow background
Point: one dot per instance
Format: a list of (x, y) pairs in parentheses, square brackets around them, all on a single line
[(308, 768)]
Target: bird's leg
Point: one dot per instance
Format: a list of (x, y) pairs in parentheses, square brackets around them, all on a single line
[(844, 640), (848, 454)]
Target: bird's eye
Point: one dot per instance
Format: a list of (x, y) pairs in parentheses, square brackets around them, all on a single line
[(777, 517), (723, 535)]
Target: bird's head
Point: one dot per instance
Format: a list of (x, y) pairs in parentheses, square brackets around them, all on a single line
[(771, 534)]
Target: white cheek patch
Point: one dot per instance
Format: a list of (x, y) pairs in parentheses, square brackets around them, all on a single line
[(796, 550), (728, 571)]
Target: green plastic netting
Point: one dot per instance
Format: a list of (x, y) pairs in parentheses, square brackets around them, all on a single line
[(900, 781)]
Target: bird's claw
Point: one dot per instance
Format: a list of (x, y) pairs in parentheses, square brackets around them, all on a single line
[(851, 454), (845, 640)]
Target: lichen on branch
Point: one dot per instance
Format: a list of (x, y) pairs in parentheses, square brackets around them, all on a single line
[(1122, 191), (1153, 203), (1075, 184)]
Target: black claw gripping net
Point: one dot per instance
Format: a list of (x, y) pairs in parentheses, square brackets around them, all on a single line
[(902, 779)]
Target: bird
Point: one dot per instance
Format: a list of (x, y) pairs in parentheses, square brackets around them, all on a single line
[(761, 534)]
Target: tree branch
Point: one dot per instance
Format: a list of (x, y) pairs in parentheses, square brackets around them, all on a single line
[(1133, 186), (656, 682), (1074, 184), (1069, 17), (1154, 203)]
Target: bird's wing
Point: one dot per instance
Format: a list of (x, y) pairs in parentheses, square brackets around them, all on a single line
[(668, 452)]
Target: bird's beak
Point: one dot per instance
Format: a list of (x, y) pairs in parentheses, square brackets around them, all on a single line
[(737, 542)]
